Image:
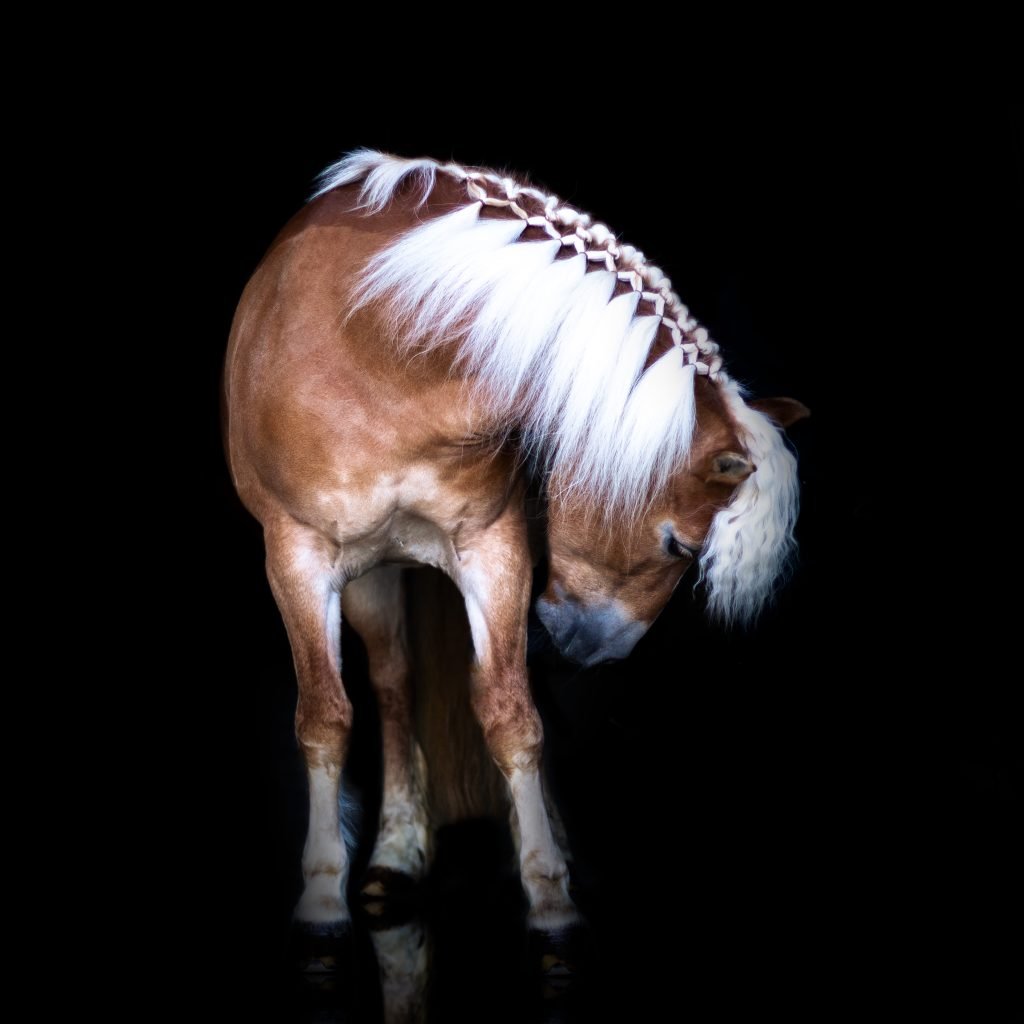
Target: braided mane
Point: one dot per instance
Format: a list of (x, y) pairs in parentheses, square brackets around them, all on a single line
[(583, 343)]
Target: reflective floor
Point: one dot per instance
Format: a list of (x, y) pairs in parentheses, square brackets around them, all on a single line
[(706, 945), (411, 971), (455, 950)]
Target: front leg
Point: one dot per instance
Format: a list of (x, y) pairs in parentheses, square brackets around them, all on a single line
[(307, 591), (494, 576)]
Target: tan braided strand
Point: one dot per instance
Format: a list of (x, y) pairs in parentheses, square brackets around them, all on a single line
[(597, 244)]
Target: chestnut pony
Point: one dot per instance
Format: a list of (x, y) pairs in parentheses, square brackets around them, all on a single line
[(420, 342)]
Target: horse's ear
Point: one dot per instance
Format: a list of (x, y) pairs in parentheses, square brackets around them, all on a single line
[(729, 468), (784, 411)]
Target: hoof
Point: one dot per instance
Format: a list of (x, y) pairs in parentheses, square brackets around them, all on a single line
[(558, 954), (383, 915), (321, 948), (387, 884)]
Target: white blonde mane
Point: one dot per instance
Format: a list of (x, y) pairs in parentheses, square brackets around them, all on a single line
[(549, 339)]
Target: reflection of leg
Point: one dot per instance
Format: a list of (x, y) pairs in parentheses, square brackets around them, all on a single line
[(495, 578), (374, 606), (402, 962), (299, 570)]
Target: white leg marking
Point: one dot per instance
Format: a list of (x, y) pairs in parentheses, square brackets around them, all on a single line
[(324, 859), (402, 840), (545, 876)]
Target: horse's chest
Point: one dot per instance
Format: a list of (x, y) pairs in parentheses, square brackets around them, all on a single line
[(415, 541), (400, 538), (417, 516)]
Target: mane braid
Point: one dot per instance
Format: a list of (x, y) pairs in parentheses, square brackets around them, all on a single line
[(556, 327)]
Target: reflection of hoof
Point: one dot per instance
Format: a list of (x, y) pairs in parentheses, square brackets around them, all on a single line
[(321, 948), (559, 954), (387, 884)]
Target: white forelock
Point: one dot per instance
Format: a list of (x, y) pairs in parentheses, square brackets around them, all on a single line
[(751, 540), (549, 340)]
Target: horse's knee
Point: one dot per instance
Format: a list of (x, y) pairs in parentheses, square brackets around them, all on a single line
[(511, 727), (516, 752), (323, 727)]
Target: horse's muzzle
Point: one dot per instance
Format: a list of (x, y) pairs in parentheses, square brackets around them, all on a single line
[(590, 634)]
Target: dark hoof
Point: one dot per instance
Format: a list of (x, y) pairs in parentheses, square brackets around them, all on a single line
[(558, 954), (321, 948), (382, 915), (387, 884)]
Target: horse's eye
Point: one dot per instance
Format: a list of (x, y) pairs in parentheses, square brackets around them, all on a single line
[(677, 549)]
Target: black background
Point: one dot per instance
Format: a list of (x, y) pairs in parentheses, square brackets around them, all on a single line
[(821, 805)]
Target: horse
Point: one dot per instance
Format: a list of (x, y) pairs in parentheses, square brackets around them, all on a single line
[(421, 344)]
